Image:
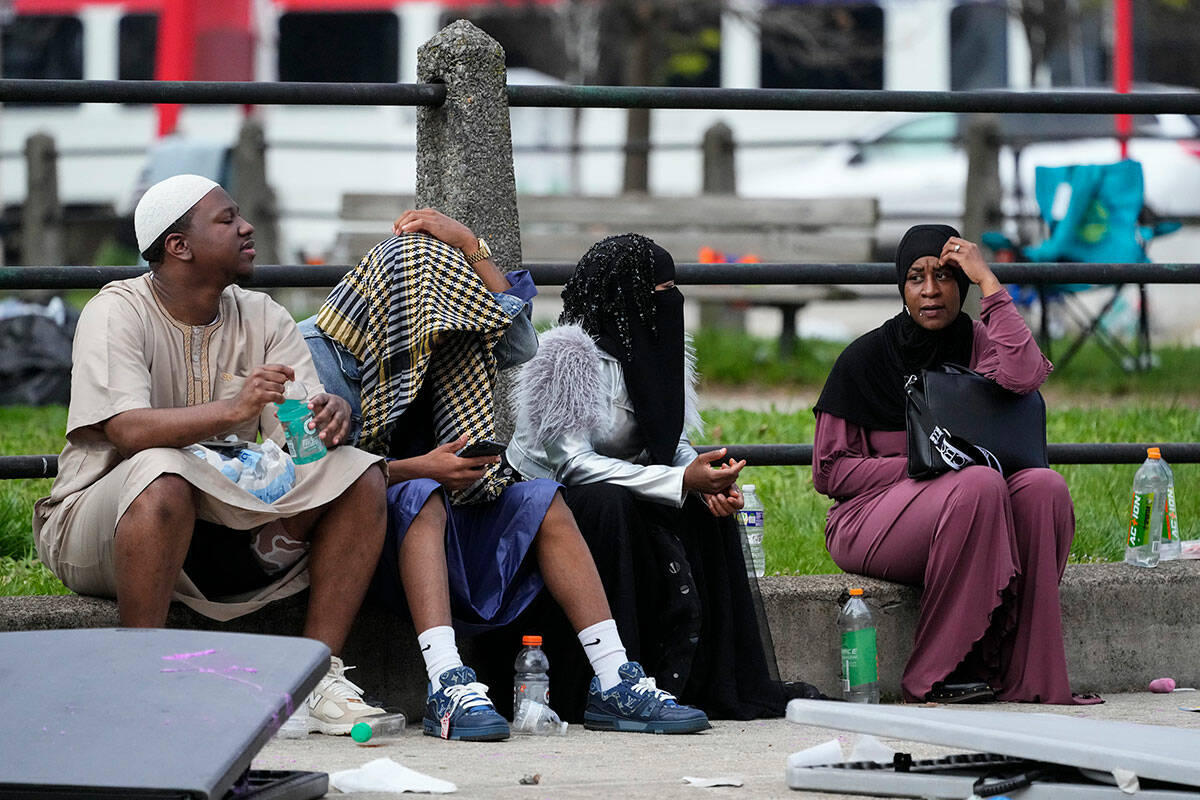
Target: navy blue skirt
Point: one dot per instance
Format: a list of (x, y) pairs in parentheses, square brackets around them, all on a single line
[(491, 578)]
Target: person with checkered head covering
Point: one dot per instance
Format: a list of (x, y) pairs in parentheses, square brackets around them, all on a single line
[(179, 356), (413, 338), (607, 407)]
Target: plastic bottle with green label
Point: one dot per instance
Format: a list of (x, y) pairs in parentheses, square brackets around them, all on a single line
[(1147, 512), (1171, 547), (299, 428), (860, 659)]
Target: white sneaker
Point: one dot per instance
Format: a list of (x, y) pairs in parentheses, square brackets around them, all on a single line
[(336, 704)]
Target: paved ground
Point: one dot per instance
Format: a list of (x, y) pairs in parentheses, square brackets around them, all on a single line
[(587, 764)]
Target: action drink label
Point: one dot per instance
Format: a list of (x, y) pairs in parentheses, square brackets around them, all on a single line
[(860, 661), (750, 519), (1139, 519), (1170, 532)]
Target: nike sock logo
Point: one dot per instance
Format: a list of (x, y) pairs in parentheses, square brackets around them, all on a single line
[(590, 644), (426, 647)]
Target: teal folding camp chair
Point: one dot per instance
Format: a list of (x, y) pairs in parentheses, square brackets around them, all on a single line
[(1091, 212)]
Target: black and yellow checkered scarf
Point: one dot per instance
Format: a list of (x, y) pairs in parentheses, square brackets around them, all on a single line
[(413, 308)]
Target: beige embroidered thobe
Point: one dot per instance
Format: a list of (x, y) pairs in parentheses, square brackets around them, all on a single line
[(129, 353)]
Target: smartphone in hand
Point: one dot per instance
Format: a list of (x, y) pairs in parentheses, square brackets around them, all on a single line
[(483, 447)]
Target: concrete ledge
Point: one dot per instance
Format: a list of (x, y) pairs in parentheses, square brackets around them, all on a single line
[(1123, 626)]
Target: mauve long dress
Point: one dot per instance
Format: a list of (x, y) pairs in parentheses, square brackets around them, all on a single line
[(989, 552)]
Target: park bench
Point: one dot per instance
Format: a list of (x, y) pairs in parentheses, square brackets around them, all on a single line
[(561, 229)]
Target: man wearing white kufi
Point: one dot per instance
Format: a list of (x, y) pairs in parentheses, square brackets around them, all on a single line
[(181, 355)]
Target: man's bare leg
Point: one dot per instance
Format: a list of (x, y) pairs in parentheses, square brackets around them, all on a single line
[(422, 560), (568, 569), (346, 539), (149, 547)]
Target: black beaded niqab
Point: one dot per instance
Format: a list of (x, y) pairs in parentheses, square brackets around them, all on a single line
[(612, 297)]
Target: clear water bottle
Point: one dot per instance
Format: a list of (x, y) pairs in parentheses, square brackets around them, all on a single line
[(750, 520), (1170, 548), (860, 660), (295, 726), (532, 681), (1147, 510), (378, 729)]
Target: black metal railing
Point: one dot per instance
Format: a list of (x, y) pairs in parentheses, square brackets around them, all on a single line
[(433, 94), (209, 93), (556, 273)]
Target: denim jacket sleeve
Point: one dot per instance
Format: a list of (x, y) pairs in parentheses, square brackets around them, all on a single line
[(519, 343)]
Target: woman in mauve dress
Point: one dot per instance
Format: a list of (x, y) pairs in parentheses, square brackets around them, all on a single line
[(988, 551)]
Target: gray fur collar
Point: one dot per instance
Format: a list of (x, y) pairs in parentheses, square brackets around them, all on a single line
[(559, 390)]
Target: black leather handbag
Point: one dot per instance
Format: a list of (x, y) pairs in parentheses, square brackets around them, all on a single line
[(956, 417)]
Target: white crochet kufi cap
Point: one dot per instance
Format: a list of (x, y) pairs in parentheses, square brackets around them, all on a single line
[(164, 203)]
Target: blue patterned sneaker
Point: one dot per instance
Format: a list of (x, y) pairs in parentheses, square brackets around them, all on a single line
[(461, 710), (637, 705)]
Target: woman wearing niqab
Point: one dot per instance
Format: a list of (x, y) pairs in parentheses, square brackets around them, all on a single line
[(988, 552), (605, 409)]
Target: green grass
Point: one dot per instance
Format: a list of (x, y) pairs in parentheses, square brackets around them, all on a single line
[(795, 513), (1091, 401), (730, 358), (28, 431), (25, 576)]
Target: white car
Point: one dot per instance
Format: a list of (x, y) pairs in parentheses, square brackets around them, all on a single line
[(916, 166)]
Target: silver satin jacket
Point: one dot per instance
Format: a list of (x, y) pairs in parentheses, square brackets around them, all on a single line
[(614, 456)]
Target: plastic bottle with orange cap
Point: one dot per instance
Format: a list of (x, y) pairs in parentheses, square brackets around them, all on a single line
[(1152, 527), (860, 658), (531, 692)]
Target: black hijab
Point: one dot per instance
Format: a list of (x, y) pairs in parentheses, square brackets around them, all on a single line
[(612, 297), (866, 384)]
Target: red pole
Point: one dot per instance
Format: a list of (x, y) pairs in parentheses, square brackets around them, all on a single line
[(1123, 65), (175, 56)]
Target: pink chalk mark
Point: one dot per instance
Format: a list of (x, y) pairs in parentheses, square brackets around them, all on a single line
[(185, 656), (220, 673)]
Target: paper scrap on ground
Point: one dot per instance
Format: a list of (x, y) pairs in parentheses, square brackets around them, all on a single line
[(707, 783), (826, 753), (386, 775), (868, 748), (1127, 781)]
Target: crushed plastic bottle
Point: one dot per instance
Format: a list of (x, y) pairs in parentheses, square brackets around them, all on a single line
[(378, 729), (295, 726), (538, 719)]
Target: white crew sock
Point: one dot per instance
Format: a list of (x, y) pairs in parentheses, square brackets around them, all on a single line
[(440, 652), (603, 647)]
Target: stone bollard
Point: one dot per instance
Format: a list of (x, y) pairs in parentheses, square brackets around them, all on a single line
[(464, 156), (42, 216), (253, 193), (981, 202), (720, 178), (719, 173), (464, 146)]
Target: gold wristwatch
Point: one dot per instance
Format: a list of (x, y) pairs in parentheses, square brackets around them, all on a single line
[(479, 255)]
